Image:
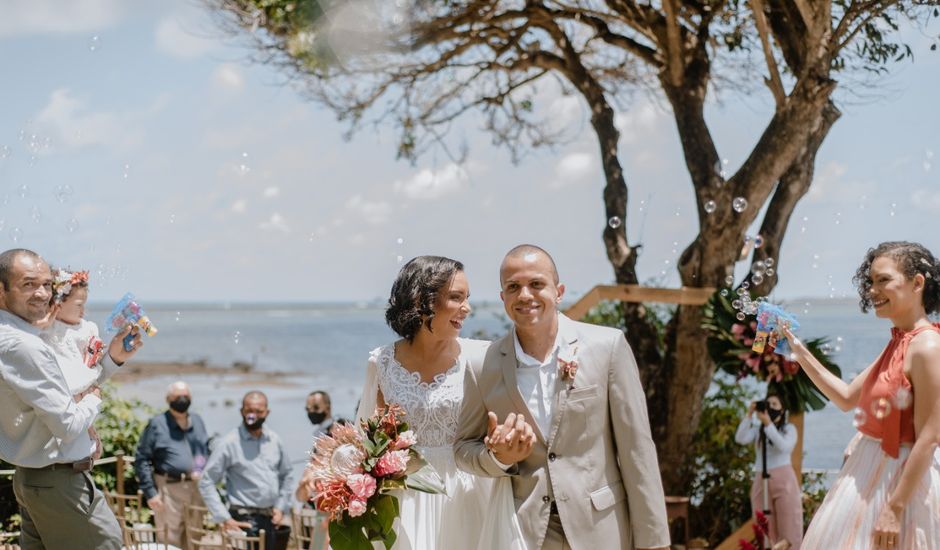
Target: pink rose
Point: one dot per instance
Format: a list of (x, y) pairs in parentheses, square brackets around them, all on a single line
[(362, 485), (405, 440), (391, 462), (356, 508)]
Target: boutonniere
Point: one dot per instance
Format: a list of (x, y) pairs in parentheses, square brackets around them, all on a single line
[(568, 366)]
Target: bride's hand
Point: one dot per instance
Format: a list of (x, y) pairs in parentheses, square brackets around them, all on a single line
[(510, 441), (888, 528)]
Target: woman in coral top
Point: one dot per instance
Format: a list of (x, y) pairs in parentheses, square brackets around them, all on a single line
[(887, 495)]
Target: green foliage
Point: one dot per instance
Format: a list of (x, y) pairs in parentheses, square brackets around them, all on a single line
[(610, 314), (731, 352), (814, 491), (376, 524), (722, 469), (120, 424)]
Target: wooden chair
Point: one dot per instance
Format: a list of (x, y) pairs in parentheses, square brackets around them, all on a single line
[(678, 508), (143, 536), (243, 541), (310, 529), (127, 508), (200, 532)]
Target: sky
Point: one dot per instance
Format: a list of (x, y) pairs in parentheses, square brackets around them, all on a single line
[(138, 142)]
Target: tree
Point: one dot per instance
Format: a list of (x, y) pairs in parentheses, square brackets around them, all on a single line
[(420, 64)]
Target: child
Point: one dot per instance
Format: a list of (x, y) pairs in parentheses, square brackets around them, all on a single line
[(74, 340)]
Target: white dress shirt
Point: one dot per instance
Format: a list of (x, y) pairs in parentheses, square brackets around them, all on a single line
[(40, 423), (536, 381)]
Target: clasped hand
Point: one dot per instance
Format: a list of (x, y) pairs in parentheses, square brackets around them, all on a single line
[(510, 441)]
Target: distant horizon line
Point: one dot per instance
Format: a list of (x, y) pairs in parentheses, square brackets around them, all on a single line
[(352, 303)]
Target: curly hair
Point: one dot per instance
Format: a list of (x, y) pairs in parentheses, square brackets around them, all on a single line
[(912, 259), (415, 293)]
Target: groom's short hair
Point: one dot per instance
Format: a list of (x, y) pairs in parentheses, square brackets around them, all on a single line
[(522, 250)]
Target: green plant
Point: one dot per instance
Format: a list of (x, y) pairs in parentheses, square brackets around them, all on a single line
[(729, 344), (721, 469), (814, 491)]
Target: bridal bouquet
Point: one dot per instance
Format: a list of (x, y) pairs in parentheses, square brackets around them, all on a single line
[(353, 471)]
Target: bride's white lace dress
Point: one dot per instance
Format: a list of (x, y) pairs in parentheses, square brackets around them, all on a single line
[(476, 512)]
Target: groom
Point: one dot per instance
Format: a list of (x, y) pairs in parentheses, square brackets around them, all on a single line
[(576, 437)]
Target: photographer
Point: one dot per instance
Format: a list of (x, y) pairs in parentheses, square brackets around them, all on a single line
[(770, 429)]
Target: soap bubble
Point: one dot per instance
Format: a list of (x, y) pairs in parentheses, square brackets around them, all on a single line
[(881, 408), (903, 398), (739, 204), (709, 206), (614, 222), (859, 417)]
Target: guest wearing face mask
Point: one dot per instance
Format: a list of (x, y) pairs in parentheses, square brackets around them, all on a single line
[(784, 497), (170, 457), (252, 462), (319, 412)]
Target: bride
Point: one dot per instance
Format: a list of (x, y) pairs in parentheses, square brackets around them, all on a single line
[(423, 372)]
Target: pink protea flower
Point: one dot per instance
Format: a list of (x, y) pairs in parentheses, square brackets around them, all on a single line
[(356, 508), (737, 329), (405, 440), (361, 485), (332, 497), (392, 462)]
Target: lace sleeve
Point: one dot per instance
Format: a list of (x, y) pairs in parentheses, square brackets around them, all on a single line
[(370, 390)]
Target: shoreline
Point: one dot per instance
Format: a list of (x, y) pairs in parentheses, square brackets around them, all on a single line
[(246, 373)]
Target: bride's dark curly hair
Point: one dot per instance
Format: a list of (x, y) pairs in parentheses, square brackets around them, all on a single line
[(912, 258), (415, 292)]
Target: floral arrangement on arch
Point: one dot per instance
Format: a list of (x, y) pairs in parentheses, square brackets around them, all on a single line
[(729, 344), (353, 472)]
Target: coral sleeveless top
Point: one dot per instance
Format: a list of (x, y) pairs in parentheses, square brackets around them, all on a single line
[(887, 397)]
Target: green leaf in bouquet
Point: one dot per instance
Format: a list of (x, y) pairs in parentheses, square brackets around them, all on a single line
[(369, 446), (386, 510), (349, 534), (388, 485), (426, 480), (381, 442), (370, 463)]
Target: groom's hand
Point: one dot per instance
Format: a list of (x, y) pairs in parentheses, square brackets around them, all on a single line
[(510, 441)]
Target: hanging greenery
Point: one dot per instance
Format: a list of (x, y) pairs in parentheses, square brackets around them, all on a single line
[(729, 344)]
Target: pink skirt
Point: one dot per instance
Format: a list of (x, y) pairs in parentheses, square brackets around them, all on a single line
[(846, 519)]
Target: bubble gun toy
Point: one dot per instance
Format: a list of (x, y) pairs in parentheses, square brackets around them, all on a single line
[(128, 312), (771, 320)]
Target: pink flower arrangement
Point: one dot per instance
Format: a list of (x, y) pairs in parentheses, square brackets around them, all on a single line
[(353, 472), (767, 365)]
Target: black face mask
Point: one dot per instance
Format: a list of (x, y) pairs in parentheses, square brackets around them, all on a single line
[(775, 415), (180, 404), (253, 421), (316, 417)]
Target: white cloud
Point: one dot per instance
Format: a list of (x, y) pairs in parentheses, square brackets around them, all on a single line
[(275, 223), (239, 206), (430, 184), (228, 76), (928, 201), (271, 192), (31, 17), (574, 168), (636, 123), (75, 126), (831, 184), (177, 36), (373, 212)]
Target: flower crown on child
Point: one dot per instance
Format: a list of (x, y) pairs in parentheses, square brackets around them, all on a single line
[(63, 281)]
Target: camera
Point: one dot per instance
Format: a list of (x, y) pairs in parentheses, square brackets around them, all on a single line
[(761, 406)]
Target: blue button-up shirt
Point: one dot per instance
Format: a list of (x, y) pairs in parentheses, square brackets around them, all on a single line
[(40, 422), (168, 449), (256, 472)]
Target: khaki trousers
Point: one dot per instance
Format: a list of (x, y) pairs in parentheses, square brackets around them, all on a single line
[(555, 537), (63, 510), (175, 497)]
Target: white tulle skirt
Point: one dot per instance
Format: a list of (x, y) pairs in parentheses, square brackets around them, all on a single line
[(477, 513), (846, 519)]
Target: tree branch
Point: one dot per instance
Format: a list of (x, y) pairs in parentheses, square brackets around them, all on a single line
[(673, 43), (775, 83)]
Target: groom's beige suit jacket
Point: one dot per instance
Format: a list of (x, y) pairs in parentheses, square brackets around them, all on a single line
[(598, 461)]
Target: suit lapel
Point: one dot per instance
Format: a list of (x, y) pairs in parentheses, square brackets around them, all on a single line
[(509, 363), (570, 338)]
